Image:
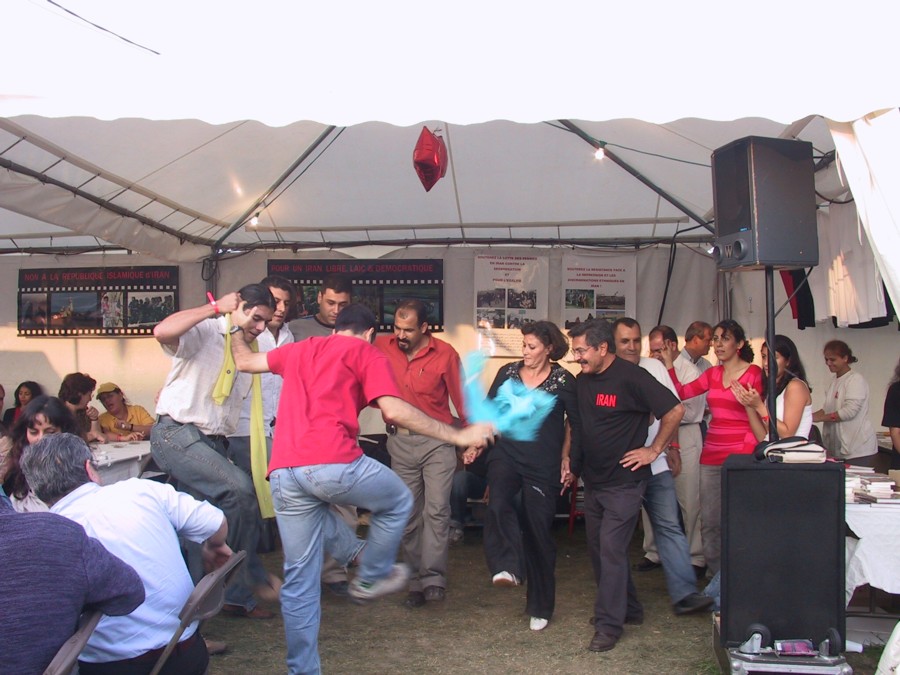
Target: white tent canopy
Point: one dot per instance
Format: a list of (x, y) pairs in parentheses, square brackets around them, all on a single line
[(176, 189), (152, 178)]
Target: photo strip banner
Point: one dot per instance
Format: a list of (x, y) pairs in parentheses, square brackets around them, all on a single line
[(510, 291), (598, 287), (378, 284), (95, 302)]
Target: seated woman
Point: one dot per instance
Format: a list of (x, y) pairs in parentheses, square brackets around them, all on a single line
[(122, 421), (76, 391), (42, 416), (24, 393), (793, 403)]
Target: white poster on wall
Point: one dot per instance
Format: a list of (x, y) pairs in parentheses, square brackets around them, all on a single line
[(509, 292), (598, 286)]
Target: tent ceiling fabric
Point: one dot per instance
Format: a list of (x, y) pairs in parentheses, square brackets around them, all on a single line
[(106, 142), (173, 189)]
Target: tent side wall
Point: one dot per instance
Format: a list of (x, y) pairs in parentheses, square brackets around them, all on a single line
[(139, 365)]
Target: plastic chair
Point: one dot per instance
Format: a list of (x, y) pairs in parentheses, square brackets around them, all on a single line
[(204, 602), (64, 661), (577, 501)]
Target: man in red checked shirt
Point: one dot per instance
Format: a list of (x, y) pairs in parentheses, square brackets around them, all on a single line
[(430, 376)]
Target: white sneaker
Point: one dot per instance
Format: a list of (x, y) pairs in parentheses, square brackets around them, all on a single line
[(537, 623), (504, 579), (456, 535), (370, 590)]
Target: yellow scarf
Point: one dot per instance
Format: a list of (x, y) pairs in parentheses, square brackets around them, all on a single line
[(259, 456)]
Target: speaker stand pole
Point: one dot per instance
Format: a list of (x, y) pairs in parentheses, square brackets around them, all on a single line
[(770, 342)]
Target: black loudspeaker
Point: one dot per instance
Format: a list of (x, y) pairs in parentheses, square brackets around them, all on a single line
[(782, 550), (764, 195)]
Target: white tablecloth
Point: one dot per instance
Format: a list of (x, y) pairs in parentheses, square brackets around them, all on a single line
[(875, 558), (118, 461)]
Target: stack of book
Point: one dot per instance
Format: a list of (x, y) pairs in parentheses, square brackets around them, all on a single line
[(876, 489)]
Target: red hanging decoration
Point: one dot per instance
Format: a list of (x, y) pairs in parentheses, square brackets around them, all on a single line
[(430, 158)]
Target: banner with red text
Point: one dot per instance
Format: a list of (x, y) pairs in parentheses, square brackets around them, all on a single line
[(379, 284), (95, 302)]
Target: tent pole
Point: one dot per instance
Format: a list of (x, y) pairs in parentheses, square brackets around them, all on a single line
[(634, 172), (283, 177)]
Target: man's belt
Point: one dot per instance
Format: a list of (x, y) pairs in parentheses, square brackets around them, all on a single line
[(213, 437), (394, 430)]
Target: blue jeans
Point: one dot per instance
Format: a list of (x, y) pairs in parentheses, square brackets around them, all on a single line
[(466, 485), (301, 496), (671, 543), (198, 463)]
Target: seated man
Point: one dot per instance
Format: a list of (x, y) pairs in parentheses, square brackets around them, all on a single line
[(140, 522), (52, 572)]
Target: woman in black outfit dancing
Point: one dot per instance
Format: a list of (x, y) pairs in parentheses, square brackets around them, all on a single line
[(529, 473)]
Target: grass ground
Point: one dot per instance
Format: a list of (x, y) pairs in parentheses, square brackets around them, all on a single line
[(482, 629)]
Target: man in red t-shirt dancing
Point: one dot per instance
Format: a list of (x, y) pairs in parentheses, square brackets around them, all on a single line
[(316, 461)]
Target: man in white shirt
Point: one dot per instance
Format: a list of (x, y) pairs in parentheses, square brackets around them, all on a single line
[(139, 521), (660, 501), (697, 339), (687, 482), (197, 409)]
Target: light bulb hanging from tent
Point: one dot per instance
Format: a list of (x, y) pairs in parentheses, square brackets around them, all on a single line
[(254, 221), (430, 158)]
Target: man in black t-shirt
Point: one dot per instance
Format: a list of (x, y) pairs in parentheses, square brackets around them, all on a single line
[(616, 399)]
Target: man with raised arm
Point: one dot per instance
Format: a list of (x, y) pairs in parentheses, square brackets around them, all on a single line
[(316, 461), (198, 408)]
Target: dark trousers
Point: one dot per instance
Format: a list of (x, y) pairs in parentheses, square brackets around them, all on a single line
[(512, 542), (466, 485), (610, 516), (189, 658)]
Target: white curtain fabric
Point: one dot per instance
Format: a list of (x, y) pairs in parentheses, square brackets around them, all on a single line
[(867, 151), (846, 284)]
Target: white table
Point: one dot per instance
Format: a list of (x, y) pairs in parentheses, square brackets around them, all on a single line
[(875, 558), (121, 460)]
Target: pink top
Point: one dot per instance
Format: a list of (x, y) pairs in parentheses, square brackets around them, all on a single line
[(729, 431)]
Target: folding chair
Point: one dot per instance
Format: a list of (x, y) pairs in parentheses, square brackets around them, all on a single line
[(576, 506), (64, 661), (204, 602)]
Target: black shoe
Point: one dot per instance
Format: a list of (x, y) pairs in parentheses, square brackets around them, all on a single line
[(695, 602), (699, 571), (646, 565), (339, 588), (602, 642), (415, 599), (434, 594), (629, 620)]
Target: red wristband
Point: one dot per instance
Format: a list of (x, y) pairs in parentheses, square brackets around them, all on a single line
[(212, 301)]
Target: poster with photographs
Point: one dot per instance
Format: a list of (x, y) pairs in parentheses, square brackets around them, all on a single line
[(598, 287), (95, 302), (378, 284), (510, 291)]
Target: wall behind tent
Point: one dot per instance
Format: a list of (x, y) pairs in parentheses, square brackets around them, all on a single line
[(139, 365)]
